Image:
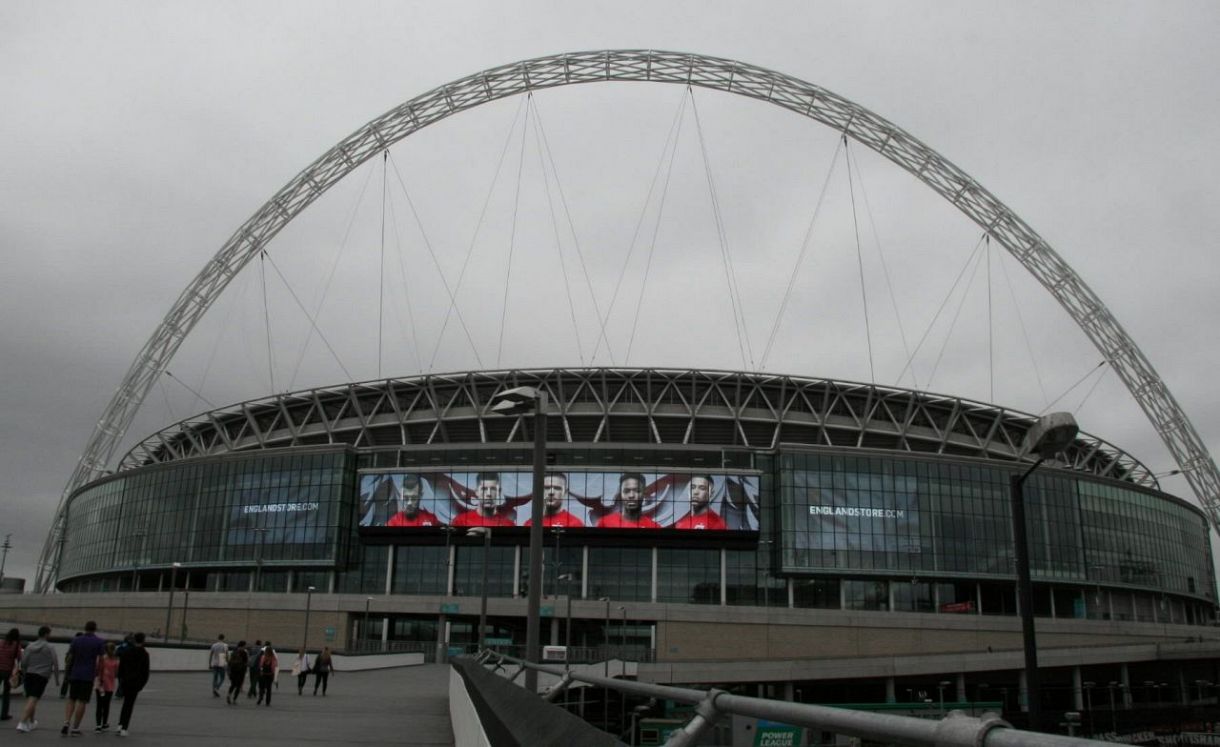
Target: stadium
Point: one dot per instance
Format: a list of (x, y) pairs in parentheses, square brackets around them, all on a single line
[(810, 539), (859, 527)]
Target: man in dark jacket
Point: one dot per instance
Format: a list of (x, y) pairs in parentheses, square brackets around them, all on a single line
[(133, 674)]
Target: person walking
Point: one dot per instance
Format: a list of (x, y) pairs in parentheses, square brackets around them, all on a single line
[(255, 651), (218, 660), (104, 683), (38, 663), (300, 670), (322, 667), (133, 673), (123, 646), (85, 651), (10, 660), (268, 667), (63, 686), (239, 661)]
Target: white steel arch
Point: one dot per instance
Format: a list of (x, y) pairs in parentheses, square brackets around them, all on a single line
[(817, 103)]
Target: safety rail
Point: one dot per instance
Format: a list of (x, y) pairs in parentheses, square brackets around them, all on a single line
[(955, 730)]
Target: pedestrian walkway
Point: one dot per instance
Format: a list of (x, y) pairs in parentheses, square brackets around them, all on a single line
[(404, 706)]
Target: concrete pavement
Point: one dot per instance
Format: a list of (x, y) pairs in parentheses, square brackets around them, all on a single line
[(402, 706)]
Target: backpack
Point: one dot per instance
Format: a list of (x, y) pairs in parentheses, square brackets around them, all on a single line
[(266, 663)]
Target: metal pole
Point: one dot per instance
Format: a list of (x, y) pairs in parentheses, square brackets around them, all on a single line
[(258, 563), (555, 562), (567, 628), (305, 635), (7, 545), (186, 603), (482, 636), (364, 629), (532, 622), (1025, 599), (622, 644), (169, 608)]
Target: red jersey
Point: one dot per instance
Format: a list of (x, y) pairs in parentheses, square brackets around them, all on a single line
[(422, 518), (618, 521), (706, 520), (560, 519), (474, 518)]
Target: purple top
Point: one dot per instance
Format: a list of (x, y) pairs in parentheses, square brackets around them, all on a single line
[(84, 650)]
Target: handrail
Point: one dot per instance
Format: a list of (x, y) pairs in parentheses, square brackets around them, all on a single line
[(955, 730)]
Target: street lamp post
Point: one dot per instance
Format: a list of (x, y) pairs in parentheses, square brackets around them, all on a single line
[(485, 533), (567, 627), (519, 401), (1049, 436), (606, 637), (364, 629), (555, 562), (1088, 702), (186, 604), (169, 608), (258, 561), (308, 598), (622, 644), (1113, 715)]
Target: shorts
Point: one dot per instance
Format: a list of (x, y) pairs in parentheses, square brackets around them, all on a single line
[(80, 690), (35, 685)]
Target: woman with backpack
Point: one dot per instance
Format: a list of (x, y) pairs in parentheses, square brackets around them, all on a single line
[(322, 667), (239, 660), (268, 667)]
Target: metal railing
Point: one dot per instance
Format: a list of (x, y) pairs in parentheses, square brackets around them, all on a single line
[(954, 730)]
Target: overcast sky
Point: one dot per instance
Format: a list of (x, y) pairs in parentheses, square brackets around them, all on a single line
[(135, 137)]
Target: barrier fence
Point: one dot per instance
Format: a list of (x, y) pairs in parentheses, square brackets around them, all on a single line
[(956, 729)]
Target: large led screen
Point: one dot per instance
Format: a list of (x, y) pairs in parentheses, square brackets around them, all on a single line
[(853, 511), (597, 500)]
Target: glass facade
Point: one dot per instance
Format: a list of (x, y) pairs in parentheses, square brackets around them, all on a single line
[(267, 509), (898, 533), (886, 516)]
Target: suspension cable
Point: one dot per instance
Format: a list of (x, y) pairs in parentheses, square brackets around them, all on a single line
[(512, 235), (961, 304), (242, 288), (928, 330), (385, 154), (478, 226), (453, 307), (550, 203), (1024, 331), (262, 276), (1092, 389), (334, 265), (652, 244), (990, 328), (674, 126), (800, 257), (546, 144), (1068, 391), (406, 288), (726, 257), (187, 387), (312, 322), (885, 269), (868, 331), (165, 396)]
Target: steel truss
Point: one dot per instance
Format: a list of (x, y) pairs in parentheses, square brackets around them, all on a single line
[(624, 406), (854, 121)]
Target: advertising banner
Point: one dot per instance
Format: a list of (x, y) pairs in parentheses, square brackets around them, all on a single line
[(854, 511), (574, 500), (274, 509)]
